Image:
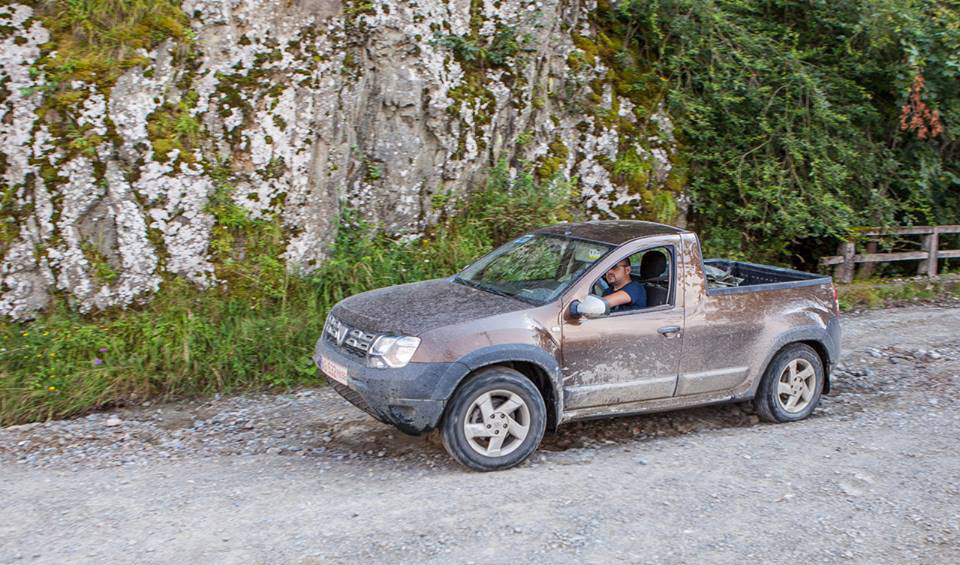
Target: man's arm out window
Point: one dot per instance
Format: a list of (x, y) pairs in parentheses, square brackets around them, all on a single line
[(617, 298)]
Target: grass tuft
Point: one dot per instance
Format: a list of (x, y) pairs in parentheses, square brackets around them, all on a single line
[(876, 293)]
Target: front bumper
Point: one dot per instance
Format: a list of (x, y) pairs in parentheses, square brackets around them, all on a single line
[(412, 398)]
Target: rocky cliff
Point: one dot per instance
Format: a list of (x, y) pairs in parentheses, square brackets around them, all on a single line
[(114, 179)]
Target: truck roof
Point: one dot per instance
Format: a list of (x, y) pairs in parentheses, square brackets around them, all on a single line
[(614, 232)]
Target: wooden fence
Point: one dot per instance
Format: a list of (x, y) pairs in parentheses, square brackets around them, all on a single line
[(847, 256)]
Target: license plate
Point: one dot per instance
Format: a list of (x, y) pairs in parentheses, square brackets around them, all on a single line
[(333, 370)]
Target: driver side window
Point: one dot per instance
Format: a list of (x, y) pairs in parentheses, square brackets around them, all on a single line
[(646, 277)]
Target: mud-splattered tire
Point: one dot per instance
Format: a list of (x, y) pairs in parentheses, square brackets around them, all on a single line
[(791, 386), (495, 420)]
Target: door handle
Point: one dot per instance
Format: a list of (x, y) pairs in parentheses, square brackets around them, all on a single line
[(667, 330)]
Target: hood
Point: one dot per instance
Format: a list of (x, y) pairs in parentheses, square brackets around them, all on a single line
[(412, 309)]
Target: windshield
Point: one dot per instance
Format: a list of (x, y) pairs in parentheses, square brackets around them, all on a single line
[(533, 268)]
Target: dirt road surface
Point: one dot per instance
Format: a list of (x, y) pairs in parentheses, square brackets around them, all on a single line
[(873, 477)]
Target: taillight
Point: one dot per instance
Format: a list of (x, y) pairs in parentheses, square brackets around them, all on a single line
[(836, 300)]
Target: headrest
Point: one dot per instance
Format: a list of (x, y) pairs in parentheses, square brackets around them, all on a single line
[(653, 265)]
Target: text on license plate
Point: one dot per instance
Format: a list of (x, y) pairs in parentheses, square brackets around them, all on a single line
[(333, 370)]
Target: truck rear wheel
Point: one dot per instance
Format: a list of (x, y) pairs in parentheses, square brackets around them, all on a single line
[(792, 385), (495, 420)]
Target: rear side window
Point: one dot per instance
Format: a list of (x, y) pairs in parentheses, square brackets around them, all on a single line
[(636, 262)]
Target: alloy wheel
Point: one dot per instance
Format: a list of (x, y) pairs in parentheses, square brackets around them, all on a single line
[(496, 423), (796, 386)]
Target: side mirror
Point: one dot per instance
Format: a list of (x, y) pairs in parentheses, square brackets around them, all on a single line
[(590, 306)]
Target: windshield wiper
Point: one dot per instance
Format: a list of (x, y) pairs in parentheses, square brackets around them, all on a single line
[(481, 286), (461, 280), (496, 291)]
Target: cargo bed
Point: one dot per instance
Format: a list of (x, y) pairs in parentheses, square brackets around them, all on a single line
[(753, 277)]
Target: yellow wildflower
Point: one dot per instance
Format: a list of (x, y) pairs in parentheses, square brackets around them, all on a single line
[(51, 388)]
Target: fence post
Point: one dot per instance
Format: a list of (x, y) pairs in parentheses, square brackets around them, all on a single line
[(844, 271), (865, 271), (930, 245)]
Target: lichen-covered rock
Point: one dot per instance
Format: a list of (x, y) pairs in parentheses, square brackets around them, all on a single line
[(290, 109), (26, 214)]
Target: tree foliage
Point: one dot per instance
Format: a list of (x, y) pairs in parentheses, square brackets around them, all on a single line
[(804, 118)]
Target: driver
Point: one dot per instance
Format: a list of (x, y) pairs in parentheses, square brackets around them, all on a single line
[(624, 293)]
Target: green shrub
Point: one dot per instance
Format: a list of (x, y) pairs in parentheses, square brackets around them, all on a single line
[(185, 342), (878, 293)]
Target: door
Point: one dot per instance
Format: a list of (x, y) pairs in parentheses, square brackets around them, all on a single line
[(625, 356)]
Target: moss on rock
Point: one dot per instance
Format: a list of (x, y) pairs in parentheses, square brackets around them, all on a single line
[(555, 161), (172, 127)]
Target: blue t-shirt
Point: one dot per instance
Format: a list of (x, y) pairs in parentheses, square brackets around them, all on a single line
[(638, 297)]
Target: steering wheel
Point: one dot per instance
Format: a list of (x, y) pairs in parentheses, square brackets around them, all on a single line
[(599, 287)]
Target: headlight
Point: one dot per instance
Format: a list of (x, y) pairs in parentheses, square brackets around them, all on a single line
[(332, 326), (392, 351)]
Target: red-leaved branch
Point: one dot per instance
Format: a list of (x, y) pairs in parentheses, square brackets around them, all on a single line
[(917, 116)]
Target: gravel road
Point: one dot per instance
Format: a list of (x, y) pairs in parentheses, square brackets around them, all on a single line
[(872, 477)]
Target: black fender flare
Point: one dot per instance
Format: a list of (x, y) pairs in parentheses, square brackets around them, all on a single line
[(827, 337), (507, 353)]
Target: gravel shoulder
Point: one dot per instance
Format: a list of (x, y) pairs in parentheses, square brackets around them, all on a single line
[(872, 477)]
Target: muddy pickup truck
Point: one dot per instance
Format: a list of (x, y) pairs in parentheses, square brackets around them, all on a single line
[(524, 339)]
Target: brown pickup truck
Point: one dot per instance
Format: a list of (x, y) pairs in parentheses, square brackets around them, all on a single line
[(523, 340)]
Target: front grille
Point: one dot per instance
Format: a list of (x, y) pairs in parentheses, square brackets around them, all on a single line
[(359, 342), (350, 340)]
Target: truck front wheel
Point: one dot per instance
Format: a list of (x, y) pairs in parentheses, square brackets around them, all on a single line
[(792, 385), (495, 420)]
